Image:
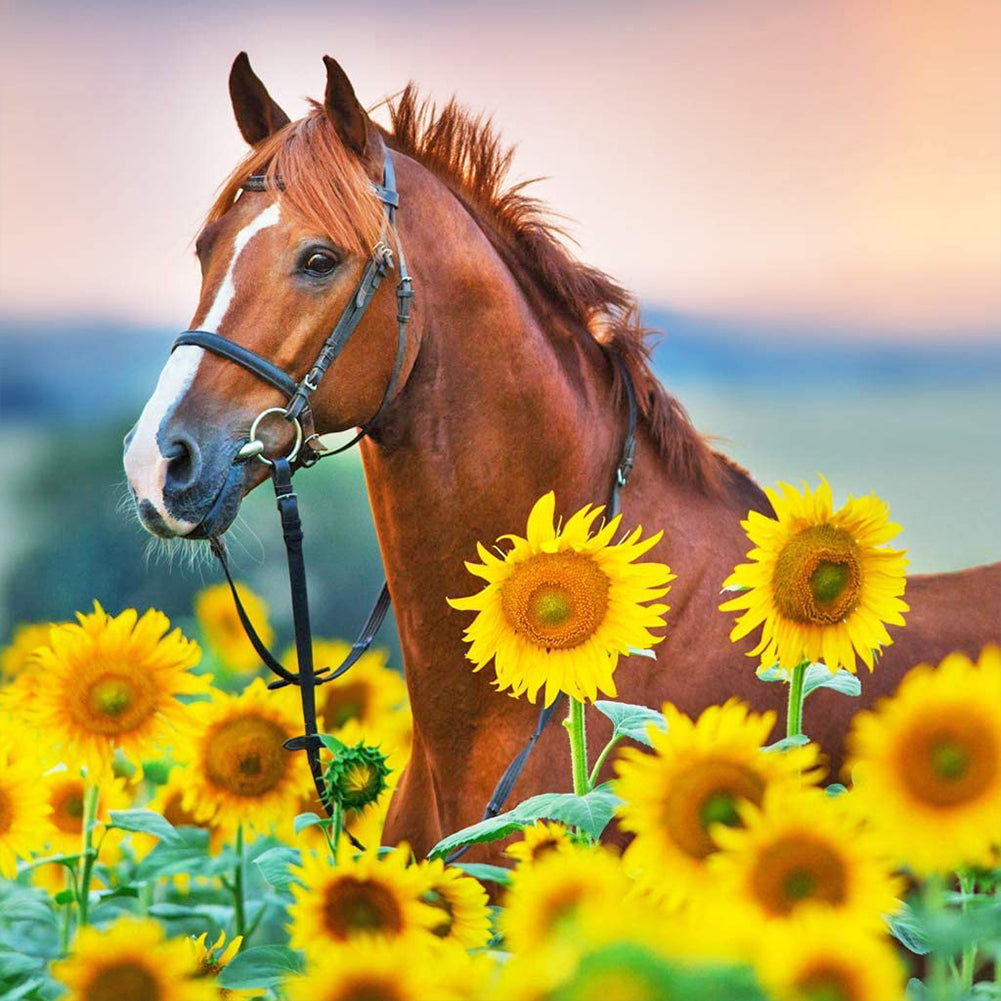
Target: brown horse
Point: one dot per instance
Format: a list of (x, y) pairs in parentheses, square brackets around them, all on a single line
[(508, 390)]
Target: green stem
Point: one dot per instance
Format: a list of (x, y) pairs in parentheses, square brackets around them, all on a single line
[(90, 797), (794, 716), (933, 901), (969, 957), (239, 910), (596, 771), (335, 829), (578, 747), (66, 927)]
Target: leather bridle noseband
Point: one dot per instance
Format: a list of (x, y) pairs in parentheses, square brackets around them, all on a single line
[(302, 454)]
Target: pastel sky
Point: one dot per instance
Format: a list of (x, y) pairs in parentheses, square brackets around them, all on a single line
[(793, 163)]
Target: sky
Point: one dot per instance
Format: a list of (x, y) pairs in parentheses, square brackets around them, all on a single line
[(793, 164)]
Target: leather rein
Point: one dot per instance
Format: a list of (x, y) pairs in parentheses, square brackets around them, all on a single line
[(303, 454)]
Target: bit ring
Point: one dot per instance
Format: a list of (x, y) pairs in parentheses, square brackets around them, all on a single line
[(251, 449)]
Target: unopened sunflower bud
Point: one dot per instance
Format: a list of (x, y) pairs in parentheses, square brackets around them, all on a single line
[(357, 776)]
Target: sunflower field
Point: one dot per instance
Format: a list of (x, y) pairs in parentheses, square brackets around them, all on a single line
[(159, 843)]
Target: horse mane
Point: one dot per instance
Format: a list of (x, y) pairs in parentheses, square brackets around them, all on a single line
[(465, 151)]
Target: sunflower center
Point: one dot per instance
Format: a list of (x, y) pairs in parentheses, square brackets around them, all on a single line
[(818, 575), (556, 600), (557, 914), (176, 814), (345, 703), (67, 813), (543, 848), (114, 703), (792, 870), (943, 765), (708, 793), (244, 755), (443, 904), (121, 980), (826, 982), (354, 906), (367, 988), (5, 813)]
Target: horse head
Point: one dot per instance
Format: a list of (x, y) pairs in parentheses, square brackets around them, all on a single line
[(281, 260)]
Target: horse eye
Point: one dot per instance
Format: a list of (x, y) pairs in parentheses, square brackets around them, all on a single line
[(319, 263)]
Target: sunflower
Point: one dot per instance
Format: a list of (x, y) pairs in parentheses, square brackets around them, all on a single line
[(538, 841), (401, 969), (697, 776), (561, 605), (223, 630), (822, 582), (209, 960), (239, 772), (65, 793), (113, 683), (24, 809), (803, 850), (829, 958), (131, 959), (20, 654), (371, 696), (562, 903), (926, 764), (462, 903), (367, 895)]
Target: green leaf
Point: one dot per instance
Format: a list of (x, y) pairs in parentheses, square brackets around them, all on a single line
[(304, 820), (118, 891), (331, 743), (818, 676), (18, 964), (486, 873), (260, 968), (773, 673), (64, 897), (274, 865), (18, 991), (631, 721), (835, 789), (642, 651), (186, 851), (796, 740), (905, 927), (591, 813), (142, 822)]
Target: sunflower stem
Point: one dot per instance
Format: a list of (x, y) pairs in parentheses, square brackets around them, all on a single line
[(578, 747), (90, 795), (794, 715), (334, 836), (937, 963), (239, 909), (969, 957), (66, 925), (596, 771)]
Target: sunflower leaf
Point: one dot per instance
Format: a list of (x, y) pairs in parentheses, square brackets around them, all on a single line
[(591, 813), (186, 852), (631, 721), (304, 820), (274, 865), (486, 873), (818, 676), (143, 822), (642, 651), (260, 968), (773, 673), (796, 740)]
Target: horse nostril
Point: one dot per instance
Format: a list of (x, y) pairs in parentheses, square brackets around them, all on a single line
[(184, 463)]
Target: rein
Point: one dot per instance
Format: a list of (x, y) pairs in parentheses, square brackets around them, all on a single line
[(302, 454)]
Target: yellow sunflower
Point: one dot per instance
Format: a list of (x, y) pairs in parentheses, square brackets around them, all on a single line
[(538, 841), (131, 959), (401, 969), (363, 896), (803, 850), (926, 764), (462, 903), (24, 808), (824, 956), (209, 960), (19, 655), (239, 772), (561, 605), (697, 776), (113, 683), (64, 791), (562, 903), (222, 628), (822, 582)]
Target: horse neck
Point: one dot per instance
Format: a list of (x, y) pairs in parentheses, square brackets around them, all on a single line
[(497, 411)]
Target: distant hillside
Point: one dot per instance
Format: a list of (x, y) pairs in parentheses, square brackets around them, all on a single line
[(52, 371)]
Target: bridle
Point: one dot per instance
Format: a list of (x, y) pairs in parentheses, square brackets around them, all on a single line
[(303, 454)]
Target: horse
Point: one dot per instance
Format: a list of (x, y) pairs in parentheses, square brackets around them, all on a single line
[(511, 385)]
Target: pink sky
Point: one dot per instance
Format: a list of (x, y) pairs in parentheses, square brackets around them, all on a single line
[(781, 161)]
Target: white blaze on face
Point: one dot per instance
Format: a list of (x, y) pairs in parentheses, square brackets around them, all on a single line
[(145, 465)]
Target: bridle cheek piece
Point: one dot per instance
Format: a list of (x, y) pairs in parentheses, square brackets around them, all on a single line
[(303, 453)]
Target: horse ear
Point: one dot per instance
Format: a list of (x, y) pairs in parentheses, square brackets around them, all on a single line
[(257, 115), (343, 109)]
